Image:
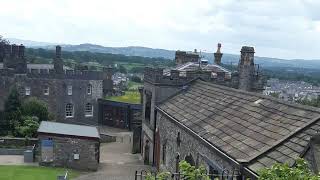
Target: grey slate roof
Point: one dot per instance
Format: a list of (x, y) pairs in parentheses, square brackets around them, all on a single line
[(68, 129), (194, 66), (249, 127)]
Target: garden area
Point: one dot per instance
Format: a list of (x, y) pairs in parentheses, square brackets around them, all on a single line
[(33, 173), (130, 96)]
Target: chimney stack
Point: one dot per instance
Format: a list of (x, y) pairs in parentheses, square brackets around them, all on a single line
[(218, 55), (15, 50), (58, 52), (57, 62), (246, 68), (21, 51)]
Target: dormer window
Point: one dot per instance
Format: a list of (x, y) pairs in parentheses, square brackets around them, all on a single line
[(89, 89), (69, 90)]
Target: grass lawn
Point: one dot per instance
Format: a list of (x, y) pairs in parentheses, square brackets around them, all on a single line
[(134, 85), (129, 97), (33, 173)]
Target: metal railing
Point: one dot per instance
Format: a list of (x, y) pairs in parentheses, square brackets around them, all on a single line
[(143, 175)]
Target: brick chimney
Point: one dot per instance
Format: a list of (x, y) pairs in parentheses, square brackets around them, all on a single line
[(246, 68), (57, 61), (218, 55)]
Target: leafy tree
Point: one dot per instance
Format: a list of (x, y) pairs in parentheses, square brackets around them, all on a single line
[(28, 128), (3, 41), (285, 172), (136, 79), (12, 110), (122, 69), (312, 102), (35, 107)]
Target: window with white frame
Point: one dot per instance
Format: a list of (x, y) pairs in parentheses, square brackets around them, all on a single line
[(88, 110), (27, 91), (69, 110), (46, 90), (89, 89), (69, 89)]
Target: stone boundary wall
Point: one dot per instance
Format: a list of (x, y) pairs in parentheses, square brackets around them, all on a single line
[(5, 151), (17, 143)]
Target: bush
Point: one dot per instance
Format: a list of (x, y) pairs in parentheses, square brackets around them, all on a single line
[(284, 171), (12, 111), (28, 128), (35, 107), (136, 79)]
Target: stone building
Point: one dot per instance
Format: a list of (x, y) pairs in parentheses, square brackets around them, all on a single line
[(160, 85), (182, 57), (72, 95), (69, 145), (234, 131)]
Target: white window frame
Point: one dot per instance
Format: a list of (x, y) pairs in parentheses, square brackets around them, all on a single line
[(27, 91), (88, 112), (89, 89), (69, 110), (69, 90), (46, 90)]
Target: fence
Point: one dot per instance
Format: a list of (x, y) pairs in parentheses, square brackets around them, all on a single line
[(225, 175)]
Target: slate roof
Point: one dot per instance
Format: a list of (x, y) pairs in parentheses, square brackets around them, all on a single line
[(194, 66), (68, 129), (249, 127)]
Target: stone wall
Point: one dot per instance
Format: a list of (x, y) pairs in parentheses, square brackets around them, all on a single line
[(189, 146), (6, 142), (64, 149), (158, 94)]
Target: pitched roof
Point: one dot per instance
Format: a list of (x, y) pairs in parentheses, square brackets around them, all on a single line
[(249, 127), (68, 129)]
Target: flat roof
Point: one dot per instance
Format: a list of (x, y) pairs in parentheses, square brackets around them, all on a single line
[(68, 129)]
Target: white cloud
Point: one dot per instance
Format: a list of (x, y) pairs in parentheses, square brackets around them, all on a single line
[(277, 28)]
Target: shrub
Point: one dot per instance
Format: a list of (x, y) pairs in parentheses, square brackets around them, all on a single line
[(35, 107), (284, 171)]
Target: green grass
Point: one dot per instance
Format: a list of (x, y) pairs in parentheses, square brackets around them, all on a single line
[(134, 85), (129, 66), (33, 173), (129, 97)]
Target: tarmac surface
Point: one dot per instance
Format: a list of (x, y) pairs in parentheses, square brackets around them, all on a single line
[(116, 160)]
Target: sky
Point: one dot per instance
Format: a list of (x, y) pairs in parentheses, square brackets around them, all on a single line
[(287, 29)]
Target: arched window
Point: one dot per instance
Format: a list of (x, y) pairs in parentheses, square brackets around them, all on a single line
[(69, 110), (88, 110), (89, 89), (189, 159)]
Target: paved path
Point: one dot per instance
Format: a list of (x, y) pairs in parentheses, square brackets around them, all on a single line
[(14, 160), (116, 161)]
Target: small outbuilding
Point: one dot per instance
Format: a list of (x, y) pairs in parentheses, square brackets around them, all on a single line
[(69, 145)]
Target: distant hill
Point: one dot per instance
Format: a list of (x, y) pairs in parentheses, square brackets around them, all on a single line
[(265, 62)]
